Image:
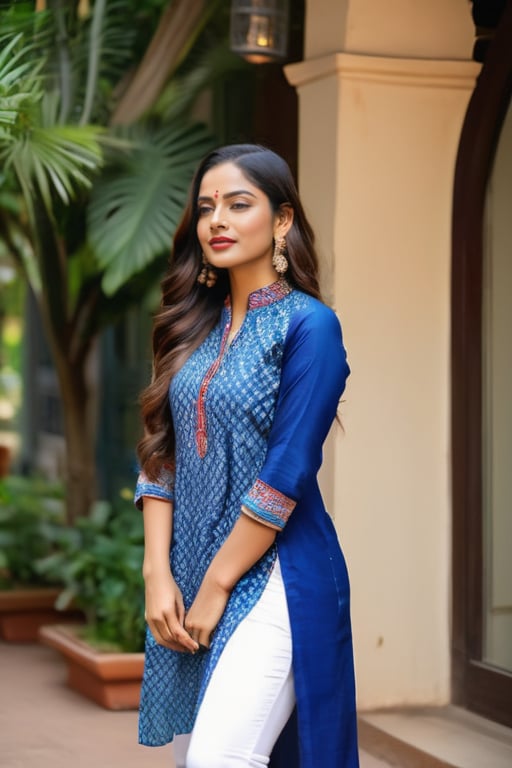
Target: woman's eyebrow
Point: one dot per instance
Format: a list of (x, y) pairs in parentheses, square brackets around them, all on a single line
[(203, 198)]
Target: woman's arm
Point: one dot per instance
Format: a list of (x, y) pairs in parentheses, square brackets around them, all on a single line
[(165, 612), (247, 542)]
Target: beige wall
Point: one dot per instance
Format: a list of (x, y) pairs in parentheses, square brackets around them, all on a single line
[(380, 118), (416, 28)]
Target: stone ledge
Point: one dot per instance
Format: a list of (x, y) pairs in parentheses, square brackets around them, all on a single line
[(444, 737)]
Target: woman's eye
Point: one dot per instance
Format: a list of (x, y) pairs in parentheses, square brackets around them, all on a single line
[(239, 206), (203, 210)]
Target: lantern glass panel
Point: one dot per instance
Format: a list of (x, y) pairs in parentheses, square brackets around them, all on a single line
[(259, 29)]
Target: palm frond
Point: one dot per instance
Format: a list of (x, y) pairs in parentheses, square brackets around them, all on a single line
[(104, 49), (13, 237), (21, 18), (20, 82), (46, 157), (133, 212), (58, 157)]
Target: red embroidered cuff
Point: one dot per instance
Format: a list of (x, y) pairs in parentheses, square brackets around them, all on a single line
[(163, 488), (268, 505)]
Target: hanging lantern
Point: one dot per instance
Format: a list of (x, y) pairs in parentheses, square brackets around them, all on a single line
[(259, 29)]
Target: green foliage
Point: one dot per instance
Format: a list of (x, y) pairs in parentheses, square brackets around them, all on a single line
[(46, 155), (20, 85), (61, 75), (31, 527), (87, 208), (98, 562), (57, 158), (100, 565), (133, 213)]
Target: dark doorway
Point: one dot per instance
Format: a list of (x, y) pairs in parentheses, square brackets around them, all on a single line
[(481, 397)]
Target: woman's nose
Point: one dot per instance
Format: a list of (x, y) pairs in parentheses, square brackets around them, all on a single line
[(217, 221)]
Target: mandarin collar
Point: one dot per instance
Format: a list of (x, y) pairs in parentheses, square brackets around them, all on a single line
[(269, 294)]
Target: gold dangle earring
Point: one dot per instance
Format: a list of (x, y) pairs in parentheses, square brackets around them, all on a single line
[(207, 276), (279, 260)]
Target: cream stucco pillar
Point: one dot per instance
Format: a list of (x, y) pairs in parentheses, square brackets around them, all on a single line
[(381, 111)]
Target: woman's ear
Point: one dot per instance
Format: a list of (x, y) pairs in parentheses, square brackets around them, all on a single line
[(283, 220)]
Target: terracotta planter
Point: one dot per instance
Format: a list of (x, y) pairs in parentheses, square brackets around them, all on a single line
[(5, 460), (110, 679), (23, 611)]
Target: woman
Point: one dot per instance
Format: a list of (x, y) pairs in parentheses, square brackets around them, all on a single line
[(249, 645)]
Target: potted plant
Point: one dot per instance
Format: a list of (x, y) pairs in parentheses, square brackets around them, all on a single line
[(100, 564), (31, 528)]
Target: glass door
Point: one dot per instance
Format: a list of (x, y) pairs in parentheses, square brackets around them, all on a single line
[(497, 408)]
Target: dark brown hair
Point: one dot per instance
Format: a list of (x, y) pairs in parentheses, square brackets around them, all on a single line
[(189, 310)]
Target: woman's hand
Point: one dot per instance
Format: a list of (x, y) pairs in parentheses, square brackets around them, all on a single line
[(246, 543), (206, 611), (165, 613)]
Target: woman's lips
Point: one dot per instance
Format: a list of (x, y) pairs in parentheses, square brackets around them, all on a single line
[(220, 243)]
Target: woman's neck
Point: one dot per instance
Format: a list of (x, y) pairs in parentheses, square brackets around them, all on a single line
[(242, 283)]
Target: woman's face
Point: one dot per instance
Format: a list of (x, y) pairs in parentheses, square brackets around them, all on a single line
[(236, 223)]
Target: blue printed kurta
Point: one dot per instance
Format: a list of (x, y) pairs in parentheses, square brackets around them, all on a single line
[(250, 420)]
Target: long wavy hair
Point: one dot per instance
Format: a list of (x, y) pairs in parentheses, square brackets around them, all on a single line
[(189, 310)]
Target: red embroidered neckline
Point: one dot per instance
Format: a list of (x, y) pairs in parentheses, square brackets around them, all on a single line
[(266, 295)]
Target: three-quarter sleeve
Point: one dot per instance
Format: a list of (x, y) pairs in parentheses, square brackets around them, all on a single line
[(314, 372), (162, 488)]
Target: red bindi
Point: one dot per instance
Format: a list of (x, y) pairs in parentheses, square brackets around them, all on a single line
[(216, 194)]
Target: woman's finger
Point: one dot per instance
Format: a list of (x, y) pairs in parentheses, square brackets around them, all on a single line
[(204, 640), (163, 636), (180, 610), (201, 636), (181, 635)]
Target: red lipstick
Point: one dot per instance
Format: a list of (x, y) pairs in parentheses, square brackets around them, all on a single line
[(220, 243)]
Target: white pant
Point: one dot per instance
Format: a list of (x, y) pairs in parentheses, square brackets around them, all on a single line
[(250, 695)]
